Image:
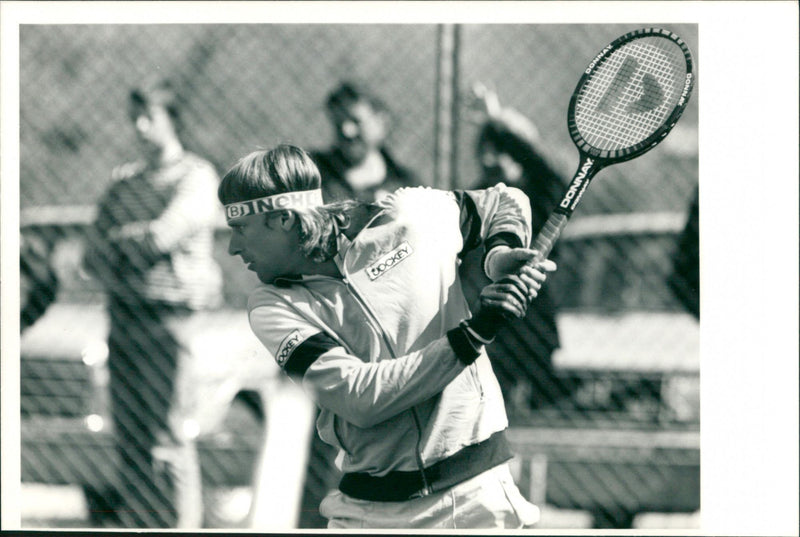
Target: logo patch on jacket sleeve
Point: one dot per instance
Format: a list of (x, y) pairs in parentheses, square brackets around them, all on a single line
[(389, 261), (289, 344)]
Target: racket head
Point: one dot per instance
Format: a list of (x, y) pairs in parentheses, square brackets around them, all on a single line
[(631, 95)]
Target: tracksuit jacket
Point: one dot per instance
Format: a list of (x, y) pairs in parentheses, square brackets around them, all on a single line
[(411, 409)]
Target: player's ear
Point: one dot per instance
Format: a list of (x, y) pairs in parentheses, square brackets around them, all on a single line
[(284, 220), (287, 219)]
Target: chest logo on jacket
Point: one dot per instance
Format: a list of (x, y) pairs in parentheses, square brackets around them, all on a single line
[(389, 261)]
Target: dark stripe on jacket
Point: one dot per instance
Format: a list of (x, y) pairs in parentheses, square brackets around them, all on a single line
[(470, 222), (400, 486), (307, 352), (471, 228)]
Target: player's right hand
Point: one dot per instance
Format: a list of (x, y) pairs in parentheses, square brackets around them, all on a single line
[(507, 296), (498, 303)]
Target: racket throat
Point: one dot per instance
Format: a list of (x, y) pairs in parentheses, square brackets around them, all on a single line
[(557, 221), (587, 169)]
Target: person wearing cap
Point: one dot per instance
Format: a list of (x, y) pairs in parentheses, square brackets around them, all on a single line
[(361, 304), (151, 247), (359, 164), (509, 150)]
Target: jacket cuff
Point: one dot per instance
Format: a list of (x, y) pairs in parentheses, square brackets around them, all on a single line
[(465, 351)]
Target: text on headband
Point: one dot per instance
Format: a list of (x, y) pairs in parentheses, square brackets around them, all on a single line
[(284, 200)]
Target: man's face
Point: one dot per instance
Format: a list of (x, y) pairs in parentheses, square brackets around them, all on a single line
[(154, 128), (264, 245), (499, 167), (359, 129)]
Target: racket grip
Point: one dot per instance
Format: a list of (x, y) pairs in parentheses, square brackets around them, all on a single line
[(548, 235)]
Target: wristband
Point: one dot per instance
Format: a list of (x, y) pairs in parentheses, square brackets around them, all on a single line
[(485, 323), (466, 351), (480, 339)]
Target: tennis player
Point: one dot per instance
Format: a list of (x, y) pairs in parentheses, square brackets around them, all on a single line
[(362, 304)]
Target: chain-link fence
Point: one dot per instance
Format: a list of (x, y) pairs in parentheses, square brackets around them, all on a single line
[(603, 401)]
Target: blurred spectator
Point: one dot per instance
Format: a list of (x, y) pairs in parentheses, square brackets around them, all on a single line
[(685, 278), (359, 165), (151, 248), (507, 152), (38, 279)]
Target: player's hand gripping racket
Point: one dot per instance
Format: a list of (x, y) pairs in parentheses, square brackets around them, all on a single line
[(627, 101)]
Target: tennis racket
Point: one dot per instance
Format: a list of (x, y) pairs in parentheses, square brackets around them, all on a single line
[(627, 100)]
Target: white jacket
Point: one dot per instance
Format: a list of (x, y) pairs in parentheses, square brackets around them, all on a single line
[(372, 348)]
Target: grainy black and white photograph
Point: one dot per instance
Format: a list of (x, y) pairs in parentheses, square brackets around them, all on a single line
[(279, 272)]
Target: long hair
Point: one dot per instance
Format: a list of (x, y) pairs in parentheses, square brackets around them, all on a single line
[(287, 168)]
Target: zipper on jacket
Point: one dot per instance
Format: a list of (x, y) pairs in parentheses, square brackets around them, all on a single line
[(352, 290), (417, 452)]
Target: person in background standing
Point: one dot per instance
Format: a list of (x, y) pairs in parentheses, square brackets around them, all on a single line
[(507, 152), (359, 165), (684, 280), (151, 248), (39, 281)]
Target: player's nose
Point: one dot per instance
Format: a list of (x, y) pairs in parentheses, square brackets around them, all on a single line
[(234, 248)]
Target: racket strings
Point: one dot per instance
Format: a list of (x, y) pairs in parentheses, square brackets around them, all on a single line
[(631, 94)]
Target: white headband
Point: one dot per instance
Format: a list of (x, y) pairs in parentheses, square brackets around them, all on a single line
[(285, 200)]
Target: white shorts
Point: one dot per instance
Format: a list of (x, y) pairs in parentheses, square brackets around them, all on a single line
[(488, 500)]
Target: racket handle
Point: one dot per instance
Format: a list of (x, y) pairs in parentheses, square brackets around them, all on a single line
[(547, 237)]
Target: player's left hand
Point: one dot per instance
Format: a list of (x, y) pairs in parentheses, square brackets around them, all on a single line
[(504, 261), (534, 276)]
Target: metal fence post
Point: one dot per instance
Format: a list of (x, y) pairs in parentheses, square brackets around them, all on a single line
[(446, 106)]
